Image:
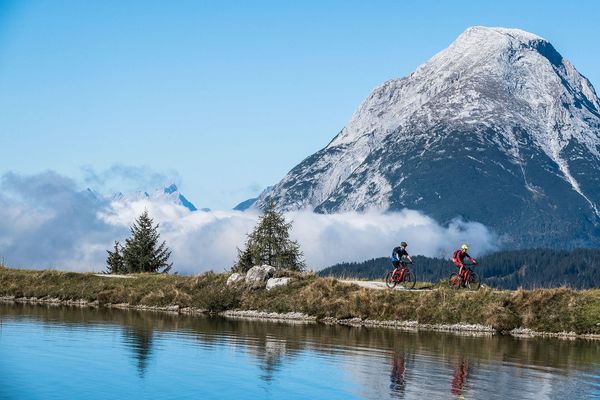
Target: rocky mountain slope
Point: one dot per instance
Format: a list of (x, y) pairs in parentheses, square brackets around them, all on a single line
[(497, 128)]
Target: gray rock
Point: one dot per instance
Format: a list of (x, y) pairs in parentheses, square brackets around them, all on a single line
[(274, 282), (258, 274), (235, 278)]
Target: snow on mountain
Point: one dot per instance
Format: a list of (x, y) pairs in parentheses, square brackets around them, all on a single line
[(499, 114), (169, 194)]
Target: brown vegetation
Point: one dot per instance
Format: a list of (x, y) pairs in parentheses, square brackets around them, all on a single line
[(544, 310)]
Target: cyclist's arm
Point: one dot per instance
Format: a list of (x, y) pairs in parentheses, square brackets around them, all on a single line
[(409, 259), (471, 258)]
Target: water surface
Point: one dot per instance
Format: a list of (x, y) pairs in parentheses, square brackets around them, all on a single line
[(49, 352)]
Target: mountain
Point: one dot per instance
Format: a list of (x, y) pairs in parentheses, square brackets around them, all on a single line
[(246, 204), (529, 269), (498, 128), (174, 192), (251, 203), (169, 194)]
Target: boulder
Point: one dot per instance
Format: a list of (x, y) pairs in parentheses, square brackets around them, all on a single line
[(258, 274), (235, 278), (274, 282)]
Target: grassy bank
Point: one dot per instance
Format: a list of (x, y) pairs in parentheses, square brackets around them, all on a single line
[(543, 310)]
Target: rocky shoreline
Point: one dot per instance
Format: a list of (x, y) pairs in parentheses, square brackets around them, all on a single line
[(298, 317)]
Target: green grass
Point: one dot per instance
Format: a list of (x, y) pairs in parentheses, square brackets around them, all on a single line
[(544, 310)]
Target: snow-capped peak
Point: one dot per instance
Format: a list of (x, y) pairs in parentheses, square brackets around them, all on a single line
[(498, 87), (169, 194), (493, 33)]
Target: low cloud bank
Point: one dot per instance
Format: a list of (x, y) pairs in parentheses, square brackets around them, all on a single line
[(47, 221)]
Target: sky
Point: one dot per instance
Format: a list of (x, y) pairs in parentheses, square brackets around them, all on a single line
[(222, 98)]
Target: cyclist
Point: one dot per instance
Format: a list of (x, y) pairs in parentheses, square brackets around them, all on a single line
[(458, 258), (397, 254)]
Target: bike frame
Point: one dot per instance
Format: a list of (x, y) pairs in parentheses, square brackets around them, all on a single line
[(403, 268), (467, 272)]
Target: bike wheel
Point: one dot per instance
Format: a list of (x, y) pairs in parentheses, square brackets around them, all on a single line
[(390, 280), (454, 281), (409, 280), (473, 282)]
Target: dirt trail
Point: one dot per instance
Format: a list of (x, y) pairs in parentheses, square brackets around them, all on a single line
[(117, 276), (380, 285)]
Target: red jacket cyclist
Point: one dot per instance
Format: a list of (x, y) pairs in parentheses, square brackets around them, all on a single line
[(458, 258)]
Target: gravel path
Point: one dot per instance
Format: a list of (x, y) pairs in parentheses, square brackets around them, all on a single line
[(117, 276), (379, 285)]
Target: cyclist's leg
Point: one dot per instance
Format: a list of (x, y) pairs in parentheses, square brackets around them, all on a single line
[(461, 273), (402, 271), (396, 265)]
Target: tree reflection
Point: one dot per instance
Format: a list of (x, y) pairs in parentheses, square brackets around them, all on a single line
[(140, 342), (138, 335)]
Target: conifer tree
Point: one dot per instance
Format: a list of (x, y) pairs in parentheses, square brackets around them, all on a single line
[(114, 261), (142, 252), (270, 243)]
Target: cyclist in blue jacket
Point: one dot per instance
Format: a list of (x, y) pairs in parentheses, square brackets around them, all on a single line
[(397, 256)]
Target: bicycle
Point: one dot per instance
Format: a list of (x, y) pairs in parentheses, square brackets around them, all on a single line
[(403, 277), (472, 280)]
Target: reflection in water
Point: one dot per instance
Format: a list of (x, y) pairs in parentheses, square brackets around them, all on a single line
[(140, 341), (257, 355), (398, 375), (459, 377), (270, 353)]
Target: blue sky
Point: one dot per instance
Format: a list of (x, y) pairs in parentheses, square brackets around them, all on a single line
[(224, 97)]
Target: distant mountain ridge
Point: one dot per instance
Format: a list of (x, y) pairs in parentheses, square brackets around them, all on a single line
[(169, 194), (498, 128), (246, 204)]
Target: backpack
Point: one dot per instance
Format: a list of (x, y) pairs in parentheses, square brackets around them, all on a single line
[(455, 256)]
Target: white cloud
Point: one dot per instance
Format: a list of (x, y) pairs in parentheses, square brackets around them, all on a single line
[(331, 238), (46, 221)]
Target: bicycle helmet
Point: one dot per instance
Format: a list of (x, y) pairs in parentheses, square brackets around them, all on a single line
[(403, 244), (464, 247)]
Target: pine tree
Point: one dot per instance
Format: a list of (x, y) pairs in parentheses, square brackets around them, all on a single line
[(142, 253), (270, 243), (114, 261)]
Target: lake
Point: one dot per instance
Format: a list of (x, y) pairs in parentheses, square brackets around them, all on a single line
[(51, 352)]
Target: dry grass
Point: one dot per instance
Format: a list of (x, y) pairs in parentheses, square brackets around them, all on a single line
[(548, 310)]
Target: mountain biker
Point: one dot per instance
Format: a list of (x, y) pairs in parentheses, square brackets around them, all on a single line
[(397, 253), (458, 258)]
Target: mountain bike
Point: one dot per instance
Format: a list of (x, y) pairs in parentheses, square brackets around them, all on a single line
[(402, 277), (470, 279)]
